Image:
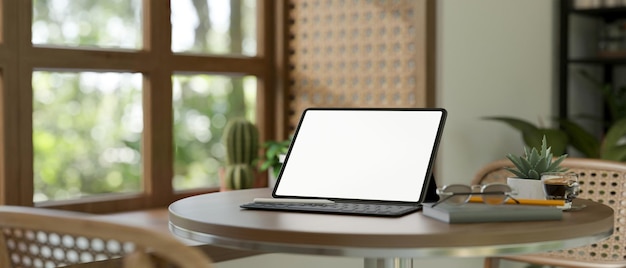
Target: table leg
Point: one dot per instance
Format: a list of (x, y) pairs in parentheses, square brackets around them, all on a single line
[(389, 263)]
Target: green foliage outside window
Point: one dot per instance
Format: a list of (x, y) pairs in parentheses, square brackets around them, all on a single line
[(88, 125), (86, 134), (202, 106)]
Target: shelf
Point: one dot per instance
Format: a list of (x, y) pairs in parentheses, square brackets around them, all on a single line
[(603, 57), (612, 13), (608, 19), (599, 60)]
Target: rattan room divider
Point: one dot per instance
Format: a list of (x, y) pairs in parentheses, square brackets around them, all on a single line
[(358, 53)]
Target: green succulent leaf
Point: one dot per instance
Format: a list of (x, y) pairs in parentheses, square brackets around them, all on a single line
[(533, 174), (533, 159), (555, 165), (542, 164), (515, 160), (526, 166), (526, 151), (516, 172), (535, 162)]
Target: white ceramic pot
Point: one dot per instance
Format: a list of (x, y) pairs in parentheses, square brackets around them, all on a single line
[(526, 188), (271, 179)]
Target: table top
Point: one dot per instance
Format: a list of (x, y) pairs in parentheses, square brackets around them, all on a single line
[(217, 219)]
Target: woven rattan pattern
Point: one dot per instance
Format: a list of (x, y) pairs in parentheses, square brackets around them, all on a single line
[(356, 53), (31, 248), (38, 237), (601, 181)]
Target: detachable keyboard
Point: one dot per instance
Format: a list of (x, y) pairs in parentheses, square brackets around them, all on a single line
[(364, 209)]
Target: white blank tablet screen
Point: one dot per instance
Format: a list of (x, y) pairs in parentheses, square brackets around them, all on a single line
[(362, 154)]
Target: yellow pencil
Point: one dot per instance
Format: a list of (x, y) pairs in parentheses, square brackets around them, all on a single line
[(536, 202)]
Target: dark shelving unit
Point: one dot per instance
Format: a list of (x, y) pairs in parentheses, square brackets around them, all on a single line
[(606, 63), (607, 13), (598, 60)]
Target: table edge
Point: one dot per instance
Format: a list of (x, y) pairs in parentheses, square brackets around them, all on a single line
[(369, 252)]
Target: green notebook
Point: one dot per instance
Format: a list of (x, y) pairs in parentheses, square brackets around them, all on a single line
[(478, 212)]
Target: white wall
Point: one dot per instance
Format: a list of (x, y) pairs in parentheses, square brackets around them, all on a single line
[(495, 57)]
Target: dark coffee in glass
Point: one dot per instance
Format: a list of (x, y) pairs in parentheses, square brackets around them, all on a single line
[(560, 188)]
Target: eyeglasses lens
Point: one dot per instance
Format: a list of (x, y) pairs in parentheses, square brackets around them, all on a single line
[(460, 193), (495, 194)]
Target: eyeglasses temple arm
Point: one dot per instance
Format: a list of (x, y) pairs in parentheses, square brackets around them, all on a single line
[(442, 200), (513, 198)]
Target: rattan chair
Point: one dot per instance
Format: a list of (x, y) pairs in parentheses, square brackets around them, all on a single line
[(601, 181), (37, 237)]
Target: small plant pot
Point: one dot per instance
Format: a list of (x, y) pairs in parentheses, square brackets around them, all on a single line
[(526, 188), (271, 179), (224, 185), (221, 174)]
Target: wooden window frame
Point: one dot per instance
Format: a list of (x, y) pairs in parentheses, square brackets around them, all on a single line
[(19, 58)]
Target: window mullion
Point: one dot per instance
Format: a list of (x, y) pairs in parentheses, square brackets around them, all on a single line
[(158, 152), (9, 166), (18, 124), (64, 58)]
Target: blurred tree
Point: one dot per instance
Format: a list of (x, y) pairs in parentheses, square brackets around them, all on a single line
[(237, 97), (204, 26), (87, 130)]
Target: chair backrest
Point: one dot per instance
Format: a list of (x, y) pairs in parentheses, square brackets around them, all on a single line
[(602, 181), (37, 237)]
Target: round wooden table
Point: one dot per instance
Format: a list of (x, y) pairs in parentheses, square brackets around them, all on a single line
[(217, 219)]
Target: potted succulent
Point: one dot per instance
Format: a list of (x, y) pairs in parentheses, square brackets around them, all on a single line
[(529, 167), (241, 139), (274, 157)]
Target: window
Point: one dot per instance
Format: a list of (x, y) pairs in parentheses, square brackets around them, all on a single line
[(202, 106), (86, 134), (89, 23), (214, 27), (113, 105)]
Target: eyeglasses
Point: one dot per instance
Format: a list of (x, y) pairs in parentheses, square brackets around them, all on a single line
[(458, 194)]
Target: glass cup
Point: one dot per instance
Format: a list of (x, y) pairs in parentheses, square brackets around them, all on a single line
[(560, 186)]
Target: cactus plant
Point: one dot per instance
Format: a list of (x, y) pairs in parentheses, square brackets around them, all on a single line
[(241, 139), (534, 163)]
